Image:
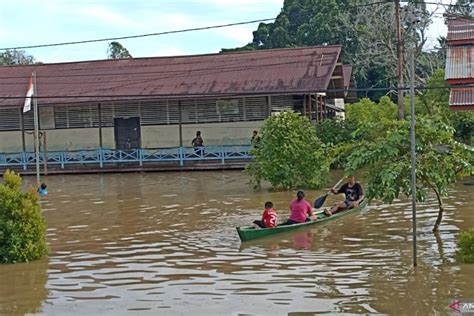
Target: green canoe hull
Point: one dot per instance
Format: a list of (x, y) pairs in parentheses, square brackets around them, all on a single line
[(250, 233)]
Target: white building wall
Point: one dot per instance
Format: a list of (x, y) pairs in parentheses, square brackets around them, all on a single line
[(151, 136)]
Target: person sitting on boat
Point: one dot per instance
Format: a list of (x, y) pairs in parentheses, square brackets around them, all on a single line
[(301, 210), (353, 196), (43, 190), (269, 217)]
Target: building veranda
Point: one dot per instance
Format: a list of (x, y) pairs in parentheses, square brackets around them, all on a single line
[(149, 109)]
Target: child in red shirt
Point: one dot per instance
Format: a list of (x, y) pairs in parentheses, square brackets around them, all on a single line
[(269, 217)]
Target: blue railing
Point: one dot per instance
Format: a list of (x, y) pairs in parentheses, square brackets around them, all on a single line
[(102, 157)]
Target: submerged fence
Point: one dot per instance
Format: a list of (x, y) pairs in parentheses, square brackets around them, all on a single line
[(104, 157)]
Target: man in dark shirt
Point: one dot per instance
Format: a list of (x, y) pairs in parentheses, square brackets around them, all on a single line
[(353, 196), (255, 139), (198, 144)]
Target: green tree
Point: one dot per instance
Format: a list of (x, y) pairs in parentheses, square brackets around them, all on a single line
[(370, 114), (434, 102), (440, 161), (117, 51), (466, 247), (16, 57), (364, 28), (289, 154), (335, 131), (22, 226), (462, 7)]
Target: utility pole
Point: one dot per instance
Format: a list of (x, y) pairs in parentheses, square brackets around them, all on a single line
[(400, 103), (412, 150)]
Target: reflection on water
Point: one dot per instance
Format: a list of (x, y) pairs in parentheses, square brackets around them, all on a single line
[(165, 243), (22, 287)]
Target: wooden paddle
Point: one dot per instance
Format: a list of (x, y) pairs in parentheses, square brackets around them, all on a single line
[(320, 200)]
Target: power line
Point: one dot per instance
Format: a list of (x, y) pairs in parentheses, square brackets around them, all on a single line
[(136, 36), (225, 94)]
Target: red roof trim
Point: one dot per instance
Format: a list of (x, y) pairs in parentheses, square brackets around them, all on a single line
[(461, 107), (460, 81)]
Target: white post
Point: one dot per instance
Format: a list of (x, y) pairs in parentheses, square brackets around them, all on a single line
[(35, 113)]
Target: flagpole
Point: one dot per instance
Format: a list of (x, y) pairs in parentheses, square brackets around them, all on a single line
[(35, 113)]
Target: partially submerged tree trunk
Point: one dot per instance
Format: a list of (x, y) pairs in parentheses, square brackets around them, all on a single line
[(441, 209)]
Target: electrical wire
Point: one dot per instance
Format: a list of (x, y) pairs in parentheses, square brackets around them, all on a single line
[(136, 36), (226, 94)]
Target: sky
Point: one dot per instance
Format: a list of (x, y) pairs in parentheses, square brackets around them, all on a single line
[(33, 22)]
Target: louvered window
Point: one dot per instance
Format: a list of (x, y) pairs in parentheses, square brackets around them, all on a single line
[(129, 109), (206, 110), (188, 111), (173, 112), (164, 112), (282, 103), (76, 116), (230, 110), (154, 113), (29, 120), (256, 108), (107, 115), (10, 119)]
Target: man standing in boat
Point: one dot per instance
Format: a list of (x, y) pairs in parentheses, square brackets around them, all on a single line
[(353, 192)]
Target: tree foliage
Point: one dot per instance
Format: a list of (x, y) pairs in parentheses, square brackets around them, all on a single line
[(370, 114), (461, 7), (466, 247), (434, 102), (117, 51), (16, 57), (289, 154), (366, 31), (335, 131), (386, 158), (22, 226)]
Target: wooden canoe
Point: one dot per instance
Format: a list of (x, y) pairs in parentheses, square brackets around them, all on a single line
[(250, 233)]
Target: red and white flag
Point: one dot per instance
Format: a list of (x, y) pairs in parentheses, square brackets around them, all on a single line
[(29, 94)]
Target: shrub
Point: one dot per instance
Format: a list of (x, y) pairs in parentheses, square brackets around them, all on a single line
[(335, 131), (289, 155), (22, 226), (466, 247)]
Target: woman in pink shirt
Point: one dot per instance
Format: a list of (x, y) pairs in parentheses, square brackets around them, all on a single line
[(301, 210)]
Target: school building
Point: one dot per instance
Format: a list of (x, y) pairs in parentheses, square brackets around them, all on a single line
[(161, 102)]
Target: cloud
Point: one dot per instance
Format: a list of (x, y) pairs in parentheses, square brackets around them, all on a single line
[(55, 21), (108, 16), (226, 3), (244, 6), (240, 34), (171, 21)]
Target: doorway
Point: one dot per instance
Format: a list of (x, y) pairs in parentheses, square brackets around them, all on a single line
[(127, 133)]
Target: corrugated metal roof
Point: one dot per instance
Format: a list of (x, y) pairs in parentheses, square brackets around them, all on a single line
[(298, 70), (460, 62), (460, 29), (462, 98)]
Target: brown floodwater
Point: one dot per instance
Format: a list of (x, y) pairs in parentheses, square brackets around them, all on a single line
[(165, 244)]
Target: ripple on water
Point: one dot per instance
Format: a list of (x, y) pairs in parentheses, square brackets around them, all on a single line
[(128, 247)]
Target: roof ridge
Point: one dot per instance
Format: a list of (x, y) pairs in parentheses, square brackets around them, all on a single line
[(180, 56)]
